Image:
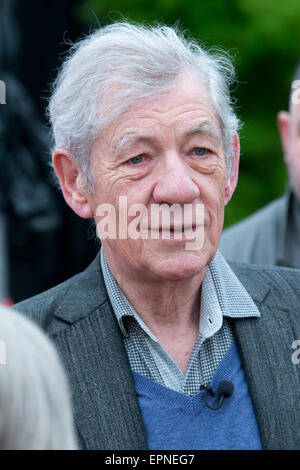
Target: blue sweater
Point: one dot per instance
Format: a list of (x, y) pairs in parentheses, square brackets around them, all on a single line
[(174, 421)]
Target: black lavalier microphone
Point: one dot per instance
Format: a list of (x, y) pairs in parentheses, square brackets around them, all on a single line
[(225, 390)]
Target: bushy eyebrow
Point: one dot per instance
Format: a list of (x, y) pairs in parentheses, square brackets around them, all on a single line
[(205, 127), (130, 137)]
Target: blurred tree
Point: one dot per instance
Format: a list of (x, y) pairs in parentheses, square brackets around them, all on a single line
[(263, 37)]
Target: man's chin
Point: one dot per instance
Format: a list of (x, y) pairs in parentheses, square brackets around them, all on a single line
[(176, 268)]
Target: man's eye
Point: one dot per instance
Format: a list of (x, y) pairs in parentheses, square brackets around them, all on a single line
[(200, 152), (136, 160)]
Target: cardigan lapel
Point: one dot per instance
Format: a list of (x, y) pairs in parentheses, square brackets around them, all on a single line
[(265, 346), (106, 409)]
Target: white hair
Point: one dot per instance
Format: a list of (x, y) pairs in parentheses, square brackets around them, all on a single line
[(135, 62), (35, 406)]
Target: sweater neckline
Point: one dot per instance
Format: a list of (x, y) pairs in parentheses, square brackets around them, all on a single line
[(193, 404)]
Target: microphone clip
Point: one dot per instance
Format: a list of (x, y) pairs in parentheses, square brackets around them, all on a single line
[(225, 390)]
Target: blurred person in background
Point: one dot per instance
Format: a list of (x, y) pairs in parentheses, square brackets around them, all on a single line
[(35, 403), (272, 234)]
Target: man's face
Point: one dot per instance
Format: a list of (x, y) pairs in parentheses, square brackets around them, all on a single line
[(167, 151), (289, 126)]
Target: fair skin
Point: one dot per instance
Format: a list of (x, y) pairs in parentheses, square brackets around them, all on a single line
[(176, 156), (289, 129)]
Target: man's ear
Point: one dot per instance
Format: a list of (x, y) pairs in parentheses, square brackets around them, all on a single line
[(71, 182), (233, 178), (283, 122)]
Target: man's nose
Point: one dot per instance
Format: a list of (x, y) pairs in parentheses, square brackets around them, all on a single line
[(175, 184)]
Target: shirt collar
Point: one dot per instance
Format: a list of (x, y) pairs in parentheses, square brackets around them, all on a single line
[(222, 294), (235, 302), (120, 304)]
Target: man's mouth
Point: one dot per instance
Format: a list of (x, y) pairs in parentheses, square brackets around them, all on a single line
[(176, 228), (174, 232)]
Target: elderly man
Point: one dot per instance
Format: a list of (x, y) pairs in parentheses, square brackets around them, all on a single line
[(272, 234), (166, 347)]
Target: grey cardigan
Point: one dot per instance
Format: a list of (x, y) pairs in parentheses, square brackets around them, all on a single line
[(78, 316)]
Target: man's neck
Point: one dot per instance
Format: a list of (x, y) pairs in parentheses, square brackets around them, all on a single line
[(170, 309)]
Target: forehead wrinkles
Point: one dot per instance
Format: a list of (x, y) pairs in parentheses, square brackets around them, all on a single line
[(171, 108), (179, 108), (171, 114), (131, 136)]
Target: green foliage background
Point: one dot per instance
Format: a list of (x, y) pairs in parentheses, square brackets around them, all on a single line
[(263, 37)]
